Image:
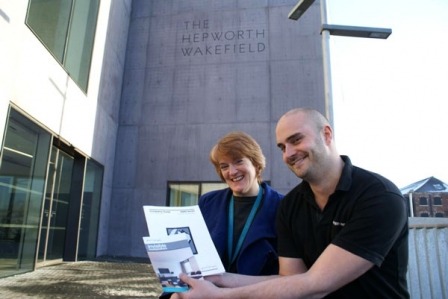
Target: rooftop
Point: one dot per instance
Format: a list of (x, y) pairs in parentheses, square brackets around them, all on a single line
[(430, 184)]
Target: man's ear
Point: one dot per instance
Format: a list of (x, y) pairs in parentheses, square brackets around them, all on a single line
[(328, 134)]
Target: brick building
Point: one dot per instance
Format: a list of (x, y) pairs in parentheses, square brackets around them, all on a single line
[(428, 198)]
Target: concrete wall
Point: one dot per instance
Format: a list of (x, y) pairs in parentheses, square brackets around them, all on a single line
[(194, 71), (109, 97)]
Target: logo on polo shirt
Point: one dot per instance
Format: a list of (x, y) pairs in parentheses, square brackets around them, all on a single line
[(335, 223)]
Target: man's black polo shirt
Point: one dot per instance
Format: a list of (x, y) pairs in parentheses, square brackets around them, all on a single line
[(366, 216)]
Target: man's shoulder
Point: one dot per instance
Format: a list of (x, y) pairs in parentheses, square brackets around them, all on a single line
[(297, 189), (354, 177), (369, 179), (296, 194)]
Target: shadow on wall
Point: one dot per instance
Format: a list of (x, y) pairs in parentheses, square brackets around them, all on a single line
[(4, 16)]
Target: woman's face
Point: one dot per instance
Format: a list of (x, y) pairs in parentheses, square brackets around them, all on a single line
[(241, 176)]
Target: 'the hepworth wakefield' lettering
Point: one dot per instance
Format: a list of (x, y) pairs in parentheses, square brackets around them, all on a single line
[(224, 49), (220, 42), (223, 36)]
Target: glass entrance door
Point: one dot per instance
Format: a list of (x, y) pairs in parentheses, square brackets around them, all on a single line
[(23, 168), (56, 207)]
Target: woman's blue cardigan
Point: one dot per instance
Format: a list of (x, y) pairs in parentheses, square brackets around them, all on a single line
[(258, 255)]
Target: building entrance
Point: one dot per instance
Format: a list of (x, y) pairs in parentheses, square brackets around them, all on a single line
[(50, 198), (23, 166), (56, 208)]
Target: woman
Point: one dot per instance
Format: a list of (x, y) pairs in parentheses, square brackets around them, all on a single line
[(241, 218)]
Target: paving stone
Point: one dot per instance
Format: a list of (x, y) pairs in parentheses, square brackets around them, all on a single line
[(84, 280)]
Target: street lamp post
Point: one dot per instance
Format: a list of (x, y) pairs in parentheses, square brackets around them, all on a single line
[(327, 30), (327, 65)]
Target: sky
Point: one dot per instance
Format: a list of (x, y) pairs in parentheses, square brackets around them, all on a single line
[(390, 97)]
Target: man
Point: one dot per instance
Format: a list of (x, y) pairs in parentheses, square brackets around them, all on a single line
[(342, 231)]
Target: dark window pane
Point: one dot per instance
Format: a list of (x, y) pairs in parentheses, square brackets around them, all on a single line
[(67, 29), (49, 20), (423, 201), (90, 211), (80, 41), (437, 201)]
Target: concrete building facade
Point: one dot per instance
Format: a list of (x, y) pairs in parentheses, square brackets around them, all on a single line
[(165, 80), (194, 71)]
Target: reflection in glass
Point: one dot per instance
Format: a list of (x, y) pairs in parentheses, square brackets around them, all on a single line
[(57, 199), (49, 199), (22, 176), (187, 194), (67, 29), (50, 20)]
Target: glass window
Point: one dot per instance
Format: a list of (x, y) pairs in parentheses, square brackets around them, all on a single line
[(67, 29), (23, 167), (183, 194), (423, 201), (437, 201), (187, 194), (439, 214), (424, 215), (90, 211), (49, 199)]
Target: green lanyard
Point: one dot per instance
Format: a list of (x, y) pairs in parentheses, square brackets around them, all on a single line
[(232, 255)]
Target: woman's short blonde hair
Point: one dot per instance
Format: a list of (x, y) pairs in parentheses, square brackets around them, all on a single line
[(237, 145)]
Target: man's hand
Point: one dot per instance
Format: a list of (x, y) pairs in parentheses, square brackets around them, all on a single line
[(199, 289)]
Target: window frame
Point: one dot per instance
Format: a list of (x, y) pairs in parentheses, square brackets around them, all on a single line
[(191, 184), (78, 64)]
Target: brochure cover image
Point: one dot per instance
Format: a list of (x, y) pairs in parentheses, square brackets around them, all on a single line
[(179, 242), (171, 256)]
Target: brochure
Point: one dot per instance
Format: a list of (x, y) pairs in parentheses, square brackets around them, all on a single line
[(179, 242)]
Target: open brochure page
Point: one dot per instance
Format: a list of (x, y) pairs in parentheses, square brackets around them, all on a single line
[(178, 242)]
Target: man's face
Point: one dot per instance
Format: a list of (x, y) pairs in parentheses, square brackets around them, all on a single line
[(303, 148)]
